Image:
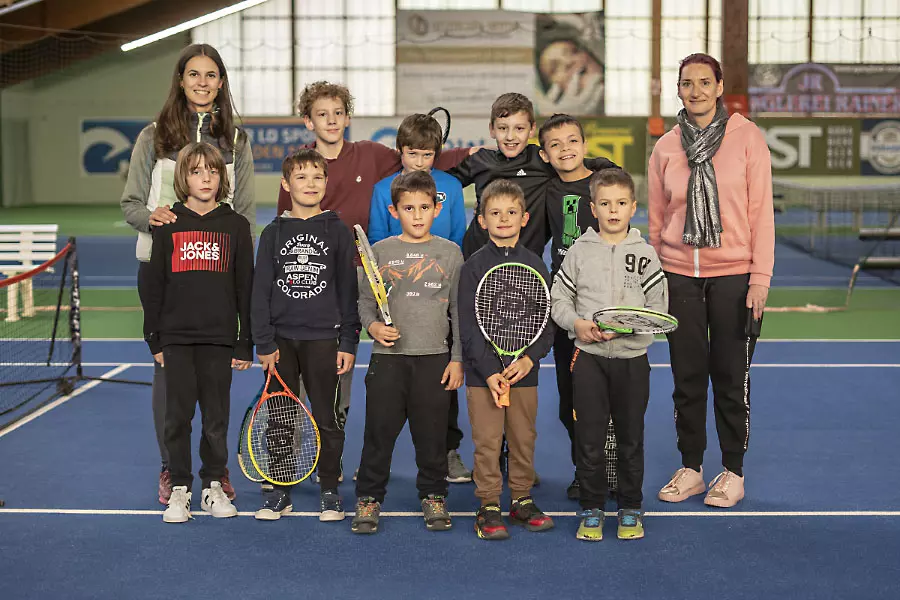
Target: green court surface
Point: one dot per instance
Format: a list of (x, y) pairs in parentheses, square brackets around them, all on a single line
[(873, 314)]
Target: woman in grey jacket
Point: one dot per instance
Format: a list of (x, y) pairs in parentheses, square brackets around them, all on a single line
[(198, 109)]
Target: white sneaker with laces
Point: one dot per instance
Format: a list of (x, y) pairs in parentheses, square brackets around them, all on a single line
[(684, 484), (725, 490), (216, 503), (179, 507)]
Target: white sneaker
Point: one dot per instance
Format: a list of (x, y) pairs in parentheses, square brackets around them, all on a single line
[(179, 507), (684, 484), (216, 503)]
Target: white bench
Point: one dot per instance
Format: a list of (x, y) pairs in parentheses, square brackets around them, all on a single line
[(22, 248)]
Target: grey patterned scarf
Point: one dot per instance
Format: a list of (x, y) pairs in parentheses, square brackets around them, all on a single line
[(702, 223)]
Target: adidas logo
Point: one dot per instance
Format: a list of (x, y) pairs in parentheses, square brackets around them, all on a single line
[(521, 173)]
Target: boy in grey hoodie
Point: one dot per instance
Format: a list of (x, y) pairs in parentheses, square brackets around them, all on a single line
[(610, 371)]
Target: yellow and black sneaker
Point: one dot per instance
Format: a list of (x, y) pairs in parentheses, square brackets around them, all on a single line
[(525, 512), (631, 524), (489, 523)]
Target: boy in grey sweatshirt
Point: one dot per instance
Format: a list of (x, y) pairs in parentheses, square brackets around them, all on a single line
[(412, 370), (610, 371)]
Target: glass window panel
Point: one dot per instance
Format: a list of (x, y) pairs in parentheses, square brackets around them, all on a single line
[(271, 8), (320, 43), (379, 88), (684, 8), (779, 8), (778, 41), (681, 37), (669, 103), (370, 43), (225, 35), (882, 8), (318, 8), (628, 8), (304, 77), (266, 43), (628, 43), (553, 5), (266, 92), (837, 8), (628, 92), (883, 45), (371, 8), (446, 4), (837, 40)]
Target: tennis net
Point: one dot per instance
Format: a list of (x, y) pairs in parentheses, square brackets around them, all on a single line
[(40, 336), (826, 221)]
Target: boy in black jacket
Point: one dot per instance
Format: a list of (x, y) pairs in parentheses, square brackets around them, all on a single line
[(199, 284), (503, 216), (305, 318)]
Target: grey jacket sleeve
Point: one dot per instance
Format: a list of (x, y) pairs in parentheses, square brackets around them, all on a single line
[(654, 284), (244, 191), (137, 187), (562, 294)]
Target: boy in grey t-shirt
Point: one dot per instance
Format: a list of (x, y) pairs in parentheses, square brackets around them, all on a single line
[(412, 370)]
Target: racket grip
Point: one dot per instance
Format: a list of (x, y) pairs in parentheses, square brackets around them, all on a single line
[(503, 399)]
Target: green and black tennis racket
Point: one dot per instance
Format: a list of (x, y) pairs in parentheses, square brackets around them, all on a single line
[(627, 319), (283, 438), (512, 306)]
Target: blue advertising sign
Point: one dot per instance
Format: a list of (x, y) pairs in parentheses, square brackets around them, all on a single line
[(106, 144)]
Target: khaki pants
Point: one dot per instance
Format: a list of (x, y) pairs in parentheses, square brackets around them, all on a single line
[(488, 425)]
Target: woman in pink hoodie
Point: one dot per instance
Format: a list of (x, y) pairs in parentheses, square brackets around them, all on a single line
[(712, 225)]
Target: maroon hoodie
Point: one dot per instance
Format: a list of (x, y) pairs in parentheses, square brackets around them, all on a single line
[(353, 174)]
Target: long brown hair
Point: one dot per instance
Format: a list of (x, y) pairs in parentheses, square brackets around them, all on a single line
[(173, 131)]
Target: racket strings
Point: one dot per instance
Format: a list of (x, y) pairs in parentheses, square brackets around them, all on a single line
[(512, 306), (284, 441)]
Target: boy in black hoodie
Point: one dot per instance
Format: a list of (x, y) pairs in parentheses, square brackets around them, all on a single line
[(305, 318), (199, 284), (503, 215)]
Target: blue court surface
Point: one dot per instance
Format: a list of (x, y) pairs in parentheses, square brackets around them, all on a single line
[(821, 518)]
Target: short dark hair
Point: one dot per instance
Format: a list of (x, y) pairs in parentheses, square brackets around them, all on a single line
[(189, 157), (700, 58), (558, 120), (324, 89), (610, 177), (417, 181), (501, 187), (420, 132), (302, 158), (511, 103)]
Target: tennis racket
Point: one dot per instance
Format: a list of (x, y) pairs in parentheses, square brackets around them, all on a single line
[(512, 305), (370, 266), (243, 456), (625, 319), (444, 121), (283, 439), (612, 452)]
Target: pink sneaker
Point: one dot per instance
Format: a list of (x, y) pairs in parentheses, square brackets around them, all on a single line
[(726, 490), (165, 487), (684, 484)]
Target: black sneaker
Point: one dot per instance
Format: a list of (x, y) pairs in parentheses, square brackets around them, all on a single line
[(489, 523), (332, 507), (367, 514), (573, 492), (525, 512), (276, 502)]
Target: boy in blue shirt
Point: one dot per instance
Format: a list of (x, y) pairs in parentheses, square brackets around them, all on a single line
[(419, 141)]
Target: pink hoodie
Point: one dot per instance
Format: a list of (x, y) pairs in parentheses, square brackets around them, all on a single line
[(744, 177)]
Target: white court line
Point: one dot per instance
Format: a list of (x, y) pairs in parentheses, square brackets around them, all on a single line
[(658, 341), (710, 513), (543, 365), (45, 409)]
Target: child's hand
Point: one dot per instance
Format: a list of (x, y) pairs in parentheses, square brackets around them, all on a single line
[(268, 361), (498, 386), (453, 376), (517, 371), (609, 335), (384, 335), (344, 362), (240, 365), (587, 331), (161, 215), (159, 358)]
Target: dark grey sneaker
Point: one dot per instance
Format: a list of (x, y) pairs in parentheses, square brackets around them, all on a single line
[(276, 502), (456, 469), (332, 507), (367, 514), (434, 508)]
